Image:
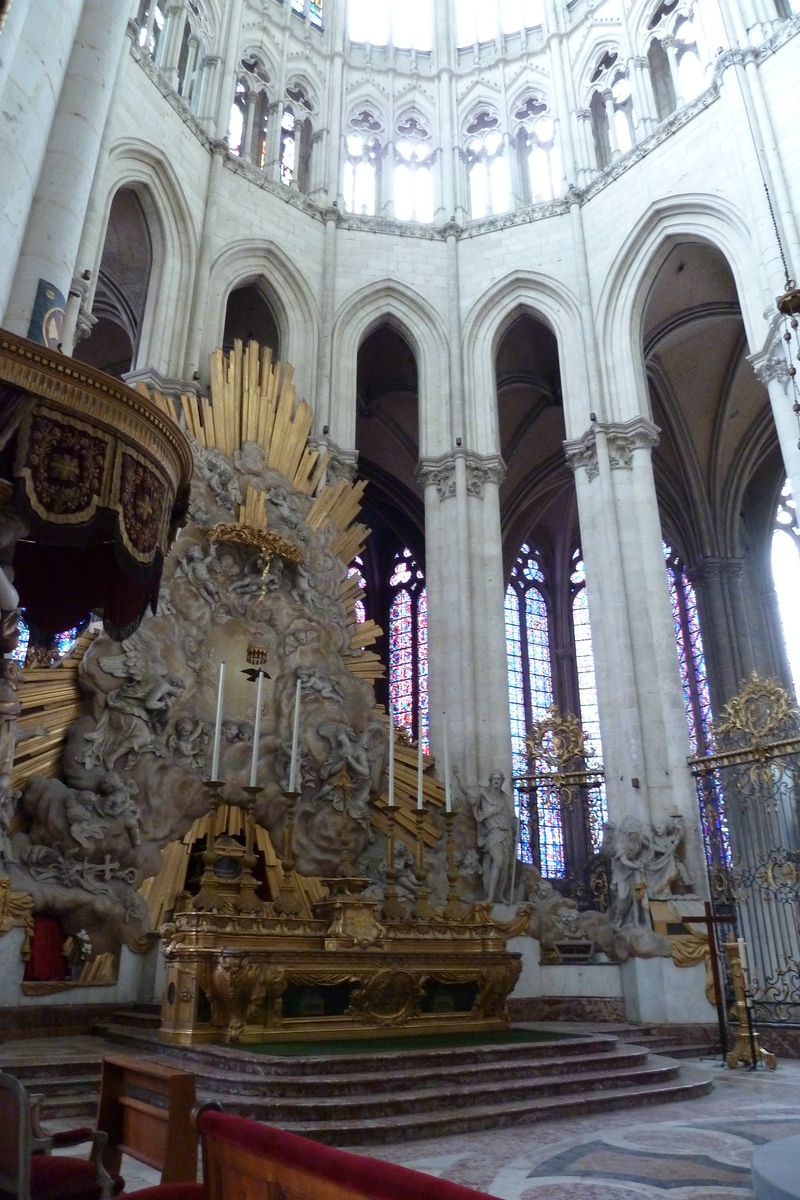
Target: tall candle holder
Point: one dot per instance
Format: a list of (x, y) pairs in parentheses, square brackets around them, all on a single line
[(288, 903), (392, 909), (247, 900), (208, 899), (422, 909), (455, 909), (748, 1049), (347, 868)]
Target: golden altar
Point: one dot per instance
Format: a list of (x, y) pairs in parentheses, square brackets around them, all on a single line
[(319, 959)]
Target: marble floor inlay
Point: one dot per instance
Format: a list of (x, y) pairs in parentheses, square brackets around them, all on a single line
[(690, 1150)]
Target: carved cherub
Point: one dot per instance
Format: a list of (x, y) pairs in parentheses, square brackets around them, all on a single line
[(187, 744), (194, 565)]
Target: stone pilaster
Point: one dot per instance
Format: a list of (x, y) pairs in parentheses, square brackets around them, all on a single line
[(642, 715), (464, 571)]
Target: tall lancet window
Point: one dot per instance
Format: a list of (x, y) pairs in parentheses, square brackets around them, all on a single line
[(587, 696), (408, 647), (786, 576), (487, 167), (691, 657), (530, 693), (413, 182)]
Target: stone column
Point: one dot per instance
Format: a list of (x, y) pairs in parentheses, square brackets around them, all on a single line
[(272, 158), (608, 100), (28, 103), (640, 698), (468, 676), (323, 406), (589, 165), (726, 635), (168, 51), (643, 98), (671, 47), (770, 365), (53, 232), (247, 132), (191, 67)]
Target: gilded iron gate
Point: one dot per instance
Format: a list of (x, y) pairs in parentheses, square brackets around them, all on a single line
[(749, 795), (562, 804)]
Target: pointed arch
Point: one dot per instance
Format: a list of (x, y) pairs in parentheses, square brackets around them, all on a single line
[(623, 297), (545, 300), (139, 166), (389, 302), (287, 291)]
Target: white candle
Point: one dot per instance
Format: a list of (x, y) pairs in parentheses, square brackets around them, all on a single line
[(218, 723), (391, 756), (295, 740), (448, 799), (419, 774), (742, 953), (256, 732)]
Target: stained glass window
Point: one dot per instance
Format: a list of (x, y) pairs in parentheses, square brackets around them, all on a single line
[(315, 13), (61, 645), (487, 167), (691, 657), (357, 569), (408, 647), (530, 693), (786, 576), (587, 698)]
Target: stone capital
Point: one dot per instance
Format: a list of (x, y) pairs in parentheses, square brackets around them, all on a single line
[(769, 363), (482, 469), (582, 452), (439, 473), (715, 568), (343, 464), (623, 437)]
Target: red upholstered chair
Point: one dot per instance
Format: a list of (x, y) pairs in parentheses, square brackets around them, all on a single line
[(28, 1172), (245, 1159), (55, 1139), (168, 1191)]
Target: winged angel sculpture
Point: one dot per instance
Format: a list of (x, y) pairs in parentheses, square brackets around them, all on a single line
[(135, 715)]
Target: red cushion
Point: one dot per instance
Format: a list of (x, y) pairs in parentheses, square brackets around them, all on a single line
[(169, 1191), (377, 1179), (58, 1177), (72, 1137)]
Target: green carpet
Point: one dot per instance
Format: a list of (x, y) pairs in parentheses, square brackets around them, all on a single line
[(444, 1041)]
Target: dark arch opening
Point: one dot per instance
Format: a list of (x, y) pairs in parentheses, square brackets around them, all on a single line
[(249, 317)]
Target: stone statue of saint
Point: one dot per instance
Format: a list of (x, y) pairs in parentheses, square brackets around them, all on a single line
[(497, 832)]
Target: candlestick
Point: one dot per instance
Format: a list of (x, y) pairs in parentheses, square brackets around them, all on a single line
[(391, 756), (256, 732), (419, 774), (218, 723), (295, 738), (742, 956), (448, 799)]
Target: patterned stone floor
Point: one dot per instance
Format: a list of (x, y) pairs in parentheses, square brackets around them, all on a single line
[(691, 1150)]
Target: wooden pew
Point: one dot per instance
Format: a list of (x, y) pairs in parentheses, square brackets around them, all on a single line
[(245, 1160), (146, 1110)]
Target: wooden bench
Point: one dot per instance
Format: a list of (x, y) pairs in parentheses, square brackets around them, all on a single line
[(146, 1111), (245, 1160)]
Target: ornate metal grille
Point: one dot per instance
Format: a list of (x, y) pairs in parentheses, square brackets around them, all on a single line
[(748, 796), (561, 788)]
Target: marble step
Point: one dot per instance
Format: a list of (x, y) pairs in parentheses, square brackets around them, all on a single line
[(371, 1131), (239, 1060), (412, 1104), (375, 1083)]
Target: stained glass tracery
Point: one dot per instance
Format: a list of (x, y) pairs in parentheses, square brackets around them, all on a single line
[(587, 698), (408, 647), (530, 691), (691, 656)]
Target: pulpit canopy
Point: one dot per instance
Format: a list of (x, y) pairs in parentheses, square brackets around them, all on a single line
[(99, 474)]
